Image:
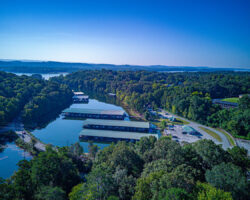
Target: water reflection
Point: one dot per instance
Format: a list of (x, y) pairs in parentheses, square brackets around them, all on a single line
[(64, 132)]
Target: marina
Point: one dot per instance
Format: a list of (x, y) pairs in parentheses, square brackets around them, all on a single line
[(94, 113)]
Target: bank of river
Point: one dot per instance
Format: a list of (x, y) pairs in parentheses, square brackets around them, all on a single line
[(10, 156)]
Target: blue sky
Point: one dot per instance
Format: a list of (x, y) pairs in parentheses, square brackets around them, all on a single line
[(142, 32)]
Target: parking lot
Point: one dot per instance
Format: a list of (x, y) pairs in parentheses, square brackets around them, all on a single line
[(177, 134)]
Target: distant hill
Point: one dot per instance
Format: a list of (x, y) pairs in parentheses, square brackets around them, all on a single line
[(55, 67)]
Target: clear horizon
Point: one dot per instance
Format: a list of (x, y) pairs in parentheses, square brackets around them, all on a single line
[(172, 33)]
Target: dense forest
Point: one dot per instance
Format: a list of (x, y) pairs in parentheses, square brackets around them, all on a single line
[(186, 94), (150, 169), (29, 97), (57, 67)]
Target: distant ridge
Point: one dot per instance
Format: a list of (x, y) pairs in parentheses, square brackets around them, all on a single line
[(31, 66)]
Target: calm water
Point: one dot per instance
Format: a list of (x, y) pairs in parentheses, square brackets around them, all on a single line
[(60, 132), (9, 158), (45, 76), (64, 132)]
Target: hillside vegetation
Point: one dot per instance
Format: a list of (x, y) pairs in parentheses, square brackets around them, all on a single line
[(186, 94), (30, 98), (147, 170)]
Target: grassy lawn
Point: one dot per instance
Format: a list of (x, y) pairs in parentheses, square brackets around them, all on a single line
[(232, 100), (182, 121), (213, 134), (230, 139)]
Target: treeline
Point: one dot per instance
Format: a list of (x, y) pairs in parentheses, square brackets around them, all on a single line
[(186, 94), (51, 99), (30, 96), (146, 170)]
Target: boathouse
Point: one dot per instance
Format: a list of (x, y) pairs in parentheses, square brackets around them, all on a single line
[(112, 136), (80, 99), (94, 113), (129, 126), (78, 93)]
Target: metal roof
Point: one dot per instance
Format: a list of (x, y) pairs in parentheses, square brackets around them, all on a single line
[(94, 111), (189, 129), (115, 134), (116, 123), (224, 102), (81, 96), (78, 93)]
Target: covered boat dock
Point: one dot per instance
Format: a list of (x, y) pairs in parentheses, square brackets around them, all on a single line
[(130, 126), (112, 136), (94, 113)]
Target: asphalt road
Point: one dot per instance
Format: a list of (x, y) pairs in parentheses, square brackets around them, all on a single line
[(225, 143)]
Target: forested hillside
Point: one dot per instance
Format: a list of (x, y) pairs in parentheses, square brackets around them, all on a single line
[(186, 94), (147, 170), (31, 97), (57, 67)]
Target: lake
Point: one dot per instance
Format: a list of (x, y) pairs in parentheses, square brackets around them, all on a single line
[(10, 156), (45, 76), (64, 132), (60, 132)]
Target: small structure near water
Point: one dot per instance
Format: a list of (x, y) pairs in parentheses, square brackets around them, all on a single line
[(79, 97)]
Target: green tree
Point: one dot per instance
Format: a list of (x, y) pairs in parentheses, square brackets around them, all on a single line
[(93, 149), (228, 177), (24, 187), (240, 158), (113, 198), (54, 168), (205, 191), (77, 192), (173, 194), (7, 191), (211, 153), (99, 184), (143, 189), (50, 193)]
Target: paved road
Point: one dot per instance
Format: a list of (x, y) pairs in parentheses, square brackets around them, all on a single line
[(27, 139), (225, 143)]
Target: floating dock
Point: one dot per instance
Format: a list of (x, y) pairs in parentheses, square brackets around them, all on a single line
[(80, 99), (94, 113), (112, 136), (129, 126)]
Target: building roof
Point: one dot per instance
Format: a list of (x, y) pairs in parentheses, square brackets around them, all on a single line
[(188, 129), (116, 123), (78, 93), (94, 111), (115, 134), (219, 101), (81, 96)]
